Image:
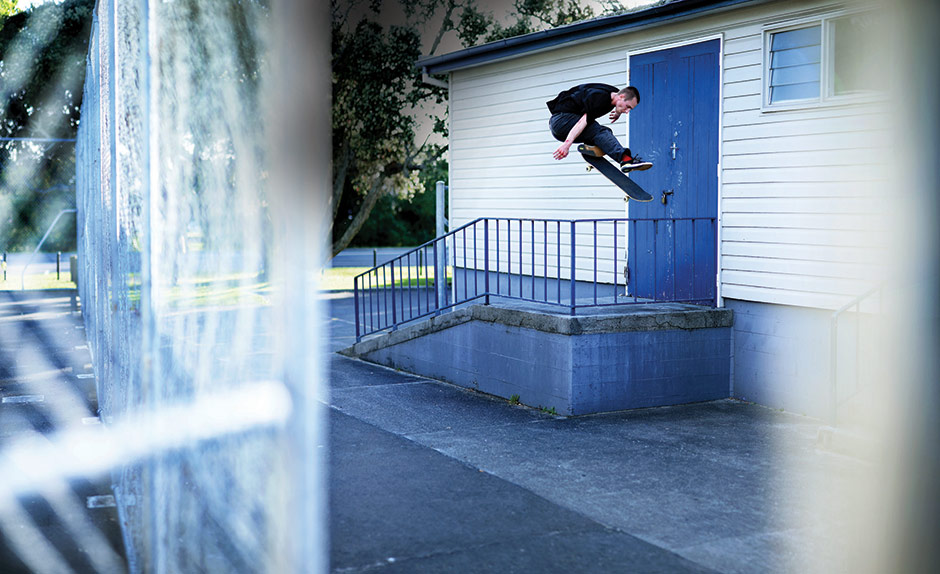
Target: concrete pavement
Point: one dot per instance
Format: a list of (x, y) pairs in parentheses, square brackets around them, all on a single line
[(47, 385), (428, 477)]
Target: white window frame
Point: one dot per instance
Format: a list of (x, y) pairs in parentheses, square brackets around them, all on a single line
[(826, 97)]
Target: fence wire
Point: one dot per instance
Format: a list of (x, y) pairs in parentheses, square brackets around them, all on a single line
[(181, 290)]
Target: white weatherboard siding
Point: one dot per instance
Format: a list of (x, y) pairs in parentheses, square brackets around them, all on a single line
[(501, 149), (798, 204), (801, 221)]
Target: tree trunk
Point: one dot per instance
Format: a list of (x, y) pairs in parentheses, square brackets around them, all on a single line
[(359, 220), (339, 183)]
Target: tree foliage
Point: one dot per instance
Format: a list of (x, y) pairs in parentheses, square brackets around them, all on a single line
[(7, 8), (42, 70), (377, 91)]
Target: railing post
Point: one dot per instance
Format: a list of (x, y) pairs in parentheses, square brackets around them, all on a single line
[(833, 368), (394, 307), (486, 260), (572, 267), (356, 304), (438, 277)]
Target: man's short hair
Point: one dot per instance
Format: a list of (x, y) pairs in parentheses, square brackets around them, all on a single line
[(631, 93)]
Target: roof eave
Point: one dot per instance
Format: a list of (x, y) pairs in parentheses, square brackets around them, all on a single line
[(573, 33)]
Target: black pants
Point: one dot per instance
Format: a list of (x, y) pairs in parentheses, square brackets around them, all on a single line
[(593, 134)]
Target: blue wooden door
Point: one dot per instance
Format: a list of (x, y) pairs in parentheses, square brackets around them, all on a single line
[(673, 249)]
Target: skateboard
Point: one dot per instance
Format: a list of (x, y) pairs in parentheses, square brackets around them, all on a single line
[(595, 157)]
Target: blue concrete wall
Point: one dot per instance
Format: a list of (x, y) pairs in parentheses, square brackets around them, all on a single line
[(575, 374), (497, 359), (617, 371), (781, 356)]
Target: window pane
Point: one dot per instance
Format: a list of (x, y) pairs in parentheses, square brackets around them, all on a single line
[(808, 55), (795, 75), (857, 63), (795, 92), (796, 38), (795, 64)]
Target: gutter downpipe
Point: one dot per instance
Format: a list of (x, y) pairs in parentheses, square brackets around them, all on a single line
[(427, 79)]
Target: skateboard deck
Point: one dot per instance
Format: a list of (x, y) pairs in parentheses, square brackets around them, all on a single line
[(595, 157)]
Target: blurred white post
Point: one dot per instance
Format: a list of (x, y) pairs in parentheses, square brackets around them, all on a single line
[(300, 118)]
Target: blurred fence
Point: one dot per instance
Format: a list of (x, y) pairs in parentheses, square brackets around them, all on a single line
[(179, 291)]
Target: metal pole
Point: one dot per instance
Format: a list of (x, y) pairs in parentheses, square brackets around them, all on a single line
[(486, 259), (356, 305), (154, 482), (394, 308), (440, 264), (833, 368), (438, 275), (58, 264), (572, 269)]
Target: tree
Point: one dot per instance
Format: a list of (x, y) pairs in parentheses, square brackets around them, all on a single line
[(377, 89), (374, 153), (7, 8), (42, 70)]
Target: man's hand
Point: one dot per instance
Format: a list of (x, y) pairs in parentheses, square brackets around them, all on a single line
[(562, 151), (614, 115)]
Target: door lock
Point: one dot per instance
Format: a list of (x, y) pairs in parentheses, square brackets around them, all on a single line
[(665, 195)]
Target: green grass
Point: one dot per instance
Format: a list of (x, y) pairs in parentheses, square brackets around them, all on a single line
[(341, 278), (205, 295), (35, 281), (214, 291)]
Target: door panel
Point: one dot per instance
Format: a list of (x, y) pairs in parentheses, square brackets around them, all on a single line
[(676, 127)]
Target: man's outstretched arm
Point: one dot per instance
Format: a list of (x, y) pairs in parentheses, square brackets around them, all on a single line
[(562, 151)]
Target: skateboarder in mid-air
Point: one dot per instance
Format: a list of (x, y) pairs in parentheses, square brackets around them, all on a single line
[(573, 118)]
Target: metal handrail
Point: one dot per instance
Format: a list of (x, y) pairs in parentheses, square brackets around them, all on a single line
[(41, 241), (515, 265), (855, 303)]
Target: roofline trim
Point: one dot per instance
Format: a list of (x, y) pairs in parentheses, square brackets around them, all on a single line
[(579, 31)]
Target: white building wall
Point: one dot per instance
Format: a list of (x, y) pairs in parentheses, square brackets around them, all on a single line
[(501, 162), (799, 215), (501, 148), (801, 221)]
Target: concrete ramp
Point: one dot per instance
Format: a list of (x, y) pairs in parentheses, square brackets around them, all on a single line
[(609, 359)]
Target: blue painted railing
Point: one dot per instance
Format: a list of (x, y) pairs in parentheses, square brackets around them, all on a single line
[(531, 260)]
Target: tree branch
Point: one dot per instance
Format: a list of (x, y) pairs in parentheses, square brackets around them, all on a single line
[(365, 210), (444, 29), (371, 198)]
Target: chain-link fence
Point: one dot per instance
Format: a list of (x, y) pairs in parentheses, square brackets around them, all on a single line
[(206, 392)]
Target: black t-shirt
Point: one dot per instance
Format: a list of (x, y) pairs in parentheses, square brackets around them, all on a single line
[(590, 99)]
